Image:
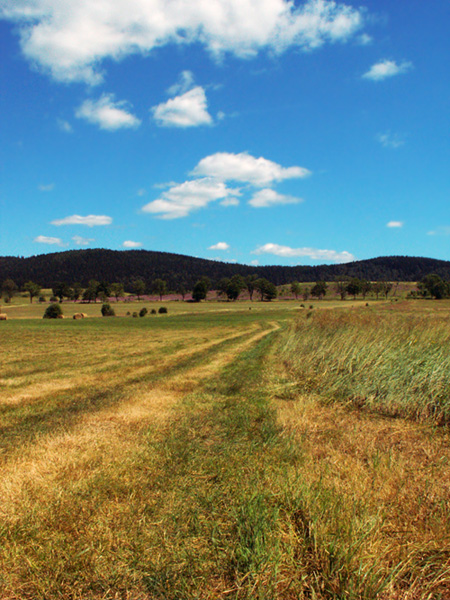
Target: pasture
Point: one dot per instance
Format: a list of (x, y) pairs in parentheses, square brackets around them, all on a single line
[(221, 452)]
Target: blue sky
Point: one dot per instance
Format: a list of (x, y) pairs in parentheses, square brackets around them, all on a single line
[(252, 131)]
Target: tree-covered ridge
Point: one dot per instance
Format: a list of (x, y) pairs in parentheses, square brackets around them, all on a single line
[(177, 270)]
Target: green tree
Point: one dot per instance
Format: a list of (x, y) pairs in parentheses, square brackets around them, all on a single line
[(435, 286), (9, 288), (341, 284), (222, 286), (104, 290), (266, 289), (354, 287), (90, 293), (235, 287), (250, 283), (77, 290), (366, 287), (117, 290), (200, 290), (159, 286), (33, 289), (138, 288), (61, 290), (305, 293), (319, 289), (296, 289)]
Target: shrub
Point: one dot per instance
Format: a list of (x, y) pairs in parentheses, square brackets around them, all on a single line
[(153, 311), (143, 312), (54, 311), (53, 299), (128, 313), (107, 311), (41, 298), (135, 315), (162, 310)]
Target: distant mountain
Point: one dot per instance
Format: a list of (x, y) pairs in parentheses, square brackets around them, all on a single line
[(124, 266)]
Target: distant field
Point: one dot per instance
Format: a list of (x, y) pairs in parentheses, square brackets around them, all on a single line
[(226, 450)]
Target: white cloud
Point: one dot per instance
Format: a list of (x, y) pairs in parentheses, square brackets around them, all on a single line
[(230, 202), (89, 220), (219, 246), (314, 253), (187, 110), (131, 244), (255, 262), (442, 230), (269, 197), (64, 126), (141, 192), (71, 39), (364, 39), (49, 187), (82, 241), (246, 168), (181, 199), (387, 68), (107, 114), (185, 82), (53, 241), (390, 140), (394, 224)]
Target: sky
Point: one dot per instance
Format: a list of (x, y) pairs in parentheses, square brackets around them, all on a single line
[(253, 131)]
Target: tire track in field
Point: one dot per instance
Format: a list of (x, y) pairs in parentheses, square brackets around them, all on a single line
[(54, 412), (100, 438)]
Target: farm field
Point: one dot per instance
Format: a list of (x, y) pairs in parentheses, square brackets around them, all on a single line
[(222, 452)]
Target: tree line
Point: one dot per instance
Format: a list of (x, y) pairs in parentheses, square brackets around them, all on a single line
[(229, 288)]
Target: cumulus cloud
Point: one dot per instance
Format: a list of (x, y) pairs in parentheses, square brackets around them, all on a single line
[(53, 241), (230, 202), (219, 246), (131, 244), (187, 110), (89, 220), (82, 241), (107, 113), (48, 187), (269, 197), (385, 69), (394, 224), (246, 168), (314, 253), (70, 40), (182, 199), (390, 140)]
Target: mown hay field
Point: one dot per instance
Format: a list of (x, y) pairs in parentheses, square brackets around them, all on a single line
[(224, 452)]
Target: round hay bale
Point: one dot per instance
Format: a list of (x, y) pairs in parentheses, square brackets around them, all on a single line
[(3, 317)]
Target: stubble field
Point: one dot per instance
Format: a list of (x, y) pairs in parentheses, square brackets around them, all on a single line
[(222, 452)]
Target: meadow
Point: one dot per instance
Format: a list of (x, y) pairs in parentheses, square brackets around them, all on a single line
[(226, 450)]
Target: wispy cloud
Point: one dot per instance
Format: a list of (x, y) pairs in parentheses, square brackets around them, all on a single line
[(182, 199), (48, 187), (107, 113), (268, 197), (395, 224), (188, 110), (64, 126), (390, 140), (89, 220), (131, 244), (313, 253), (82, 241), (246, 168), (442, 230), (70, 40), (53, 241), (219, 246), (387, 68)]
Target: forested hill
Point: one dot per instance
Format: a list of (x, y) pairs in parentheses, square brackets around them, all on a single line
[(124, 266)]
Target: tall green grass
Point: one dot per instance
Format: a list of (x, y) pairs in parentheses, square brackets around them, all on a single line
[(393, 362)]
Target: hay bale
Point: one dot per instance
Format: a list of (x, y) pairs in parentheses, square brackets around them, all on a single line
[(60, 317), (84, 315), (77, 316), (3, 317)]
